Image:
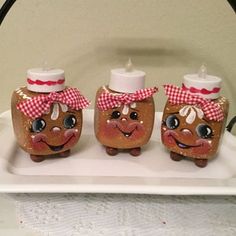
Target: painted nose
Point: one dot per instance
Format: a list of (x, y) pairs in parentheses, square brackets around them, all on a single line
[(186, 132), (123, 119), (56, 129)]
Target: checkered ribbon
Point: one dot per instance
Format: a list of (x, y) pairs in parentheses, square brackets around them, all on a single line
[(177, 96), (39, 105), (109, 100)]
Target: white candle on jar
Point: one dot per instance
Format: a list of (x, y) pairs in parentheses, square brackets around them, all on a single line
[(202, 84), (43, 80), (127, 80)]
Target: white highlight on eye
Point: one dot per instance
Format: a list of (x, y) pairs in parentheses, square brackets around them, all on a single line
[(191, 112), (133, 105), (64, 107), (125, 110), (55, 111)]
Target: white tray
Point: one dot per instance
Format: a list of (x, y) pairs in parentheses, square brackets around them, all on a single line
[(90, 169)]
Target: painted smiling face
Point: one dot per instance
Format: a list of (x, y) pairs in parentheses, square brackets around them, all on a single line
[(127, 126), (186, 131), (52, 133), (49, 136)]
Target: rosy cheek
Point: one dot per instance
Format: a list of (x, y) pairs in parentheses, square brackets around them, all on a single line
[(168, 139), (70, 132), (139, 130), (111, 124), (204, 147), (109, 129), (38, 141), (72, 136)]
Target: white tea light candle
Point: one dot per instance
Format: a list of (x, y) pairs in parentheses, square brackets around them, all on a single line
[(202, 84), (45, 80), (127, 80)]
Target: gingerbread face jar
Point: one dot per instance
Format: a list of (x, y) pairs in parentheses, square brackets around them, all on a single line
[(194, 118), (124, 112), (46, 115)]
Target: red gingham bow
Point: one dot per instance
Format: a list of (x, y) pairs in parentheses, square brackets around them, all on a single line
[(109, 100), (177, 96), (38, 105)]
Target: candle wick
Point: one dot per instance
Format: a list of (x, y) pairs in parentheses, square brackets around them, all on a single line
[(129, 66), (202, 73), (45, 66)]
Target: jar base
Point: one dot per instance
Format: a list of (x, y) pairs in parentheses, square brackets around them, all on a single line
[(40, 158), (132, 151), (176, 157), (198, 162), (201, 162)]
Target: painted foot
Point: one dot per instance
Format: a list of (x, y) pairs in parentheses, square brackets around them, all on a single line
[(201, 162), (135, 151), (176, 157), (65, 153), (112, 151), (37, 158)]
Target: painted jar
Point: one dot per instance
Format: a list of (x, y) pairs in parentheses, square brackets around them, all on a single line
[(194, 118), (124, 112), (47, 115)]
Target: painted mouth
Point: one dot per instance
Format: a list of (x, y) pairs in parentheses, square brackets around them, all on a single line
[(126, 134), (183, 145), (59, 147)]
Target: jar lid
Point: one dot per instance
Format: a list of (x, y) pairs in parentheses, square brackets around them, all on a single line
[(202, 84), (45, 81)]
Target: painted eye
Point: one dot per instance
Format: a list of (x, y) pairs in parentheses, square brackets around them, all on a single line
[(133, 115), (115, 115), (172, 122), (204, 131), (70, 121), (38, 125)]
